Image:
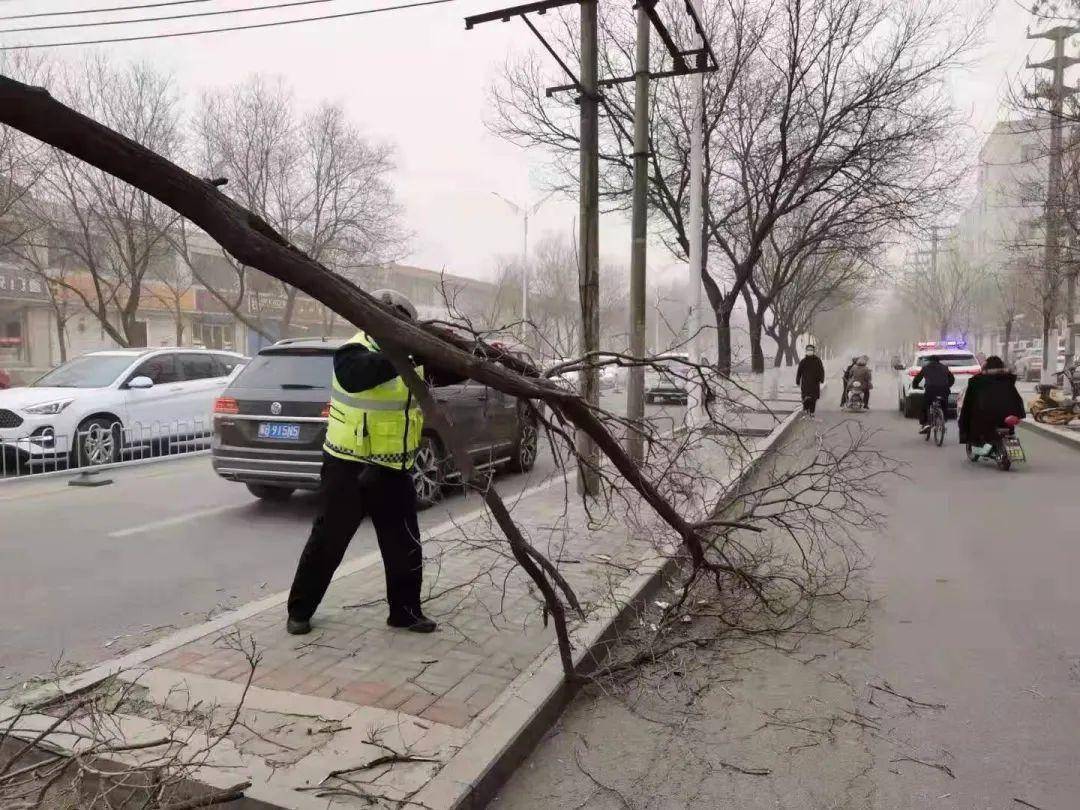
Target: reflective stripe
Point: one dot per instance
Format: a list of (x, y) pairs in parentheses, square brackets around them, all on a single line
[(365, 403)]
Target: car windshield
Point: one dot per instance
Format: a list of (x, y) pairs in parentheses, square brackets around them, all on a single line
[(295, 369), (951, 360), (89, 371)]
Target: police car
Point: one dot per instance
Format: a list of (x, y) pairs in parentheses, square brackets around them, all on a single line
[(954, 354)]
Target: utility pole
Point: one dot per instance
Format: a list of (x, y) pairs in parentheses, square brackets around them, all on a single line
[(695, 401), (588, 240), (635, 384), (933, 262), (1052, 254)]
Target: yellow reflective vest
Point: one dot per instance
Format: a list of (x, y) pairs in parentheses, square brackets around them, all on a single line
[(381, 425)]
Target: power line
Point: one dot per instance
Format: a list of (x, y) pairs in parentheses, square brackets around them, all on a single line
[(100, 10), (249, 27), (189, 15)]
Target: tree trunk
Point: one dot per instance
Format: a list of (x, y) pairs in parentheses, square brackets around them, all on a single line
[(754, 319), (943, 330), (287, 315), (723, 342), (792, 353), (781, 347), (1008, 338), (61, 338), (179, 330)]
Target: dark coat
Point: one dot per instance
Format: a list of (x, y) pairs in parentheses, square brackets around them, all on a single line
[(809, 376), (990, 397)]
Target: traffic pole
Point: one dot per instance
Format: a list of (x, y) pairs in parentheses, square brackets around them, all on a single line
[(588, 238)]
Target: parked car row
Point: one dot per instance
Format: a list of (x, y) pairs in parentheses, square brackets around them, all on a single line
[(265, 418)]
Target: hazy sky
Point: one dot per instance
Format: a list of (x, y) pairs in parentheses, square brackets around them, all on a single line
[(419, 80)]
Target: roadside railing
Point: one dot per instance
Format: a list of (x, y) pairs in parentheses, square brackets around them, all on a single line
[(101, 445)]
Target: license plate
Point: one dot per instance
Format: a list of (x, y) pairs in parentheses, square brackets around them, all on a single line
[(280, 431), (1013, 448)]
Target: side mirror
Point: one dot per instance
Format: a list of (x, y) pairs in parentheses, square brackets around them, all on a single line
[(140, 382)]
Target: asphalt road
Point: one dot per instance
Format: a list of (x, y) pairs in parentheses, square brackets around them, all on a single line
[(975, 620)]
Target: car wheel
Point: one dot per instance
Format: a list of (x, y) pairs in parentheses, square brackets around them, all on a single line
[(526, 448), (428, 472), (273, 494), (97, 441), (911, 410)]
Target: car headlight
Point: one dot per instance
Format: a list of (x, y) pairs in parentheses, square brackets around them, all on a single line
[(48, 408)]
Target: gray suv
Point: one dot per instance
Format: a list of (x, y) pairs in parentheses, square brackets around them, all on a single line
[(270, 422)]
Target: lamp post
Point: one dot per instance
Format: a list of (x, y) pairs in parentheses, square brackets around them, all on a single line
[(524, 212)]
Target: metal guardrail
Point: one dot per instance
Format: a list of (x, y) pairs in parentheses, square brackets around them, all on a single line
[(101, 446)]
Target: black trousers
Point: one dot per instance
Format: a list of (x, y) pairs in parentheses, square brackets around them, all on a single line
[(809, 403), (928, 397), (352, 490)]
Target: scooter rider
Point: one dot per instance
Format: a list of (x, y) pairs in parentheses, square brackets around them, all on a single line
[(847, 379), (939, 380), (862, 375), (990, 399)]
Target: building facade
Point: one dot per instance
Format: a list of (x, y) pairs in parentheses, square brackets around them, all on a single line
[(43, 321)]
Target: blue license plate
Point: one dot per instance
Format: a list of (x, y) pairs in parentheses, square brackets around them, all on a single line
[(281, 431)]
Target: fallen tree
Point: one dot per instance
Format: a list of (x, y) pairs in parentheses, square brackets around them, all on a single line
[(252, 242)]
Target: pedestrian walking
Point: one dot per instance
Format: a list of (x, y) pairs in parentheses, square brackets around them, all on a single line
[(372, 435), (809, 376)]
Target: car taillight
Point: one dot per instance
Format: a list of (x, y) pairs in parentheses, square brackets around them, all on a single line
[(913, 372), (226, 405), (325, 412)]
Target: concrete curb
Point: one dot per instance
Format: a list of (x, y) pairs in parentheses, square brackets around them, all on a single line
[(515, 723), (1070, 439)]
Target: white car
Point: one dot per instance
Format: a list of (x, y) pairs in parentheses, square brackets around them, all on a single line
[(962, 363), (88, 410)]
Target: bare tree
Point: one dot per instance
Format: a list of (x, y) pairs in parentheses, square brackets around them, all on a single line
[(832, 107), (105, 235), (311, 175), (826, 281), (941, 293)]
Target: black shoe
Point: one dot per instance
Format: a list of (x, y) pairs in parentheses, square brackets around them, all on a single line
[(298, 627), (414, 623)]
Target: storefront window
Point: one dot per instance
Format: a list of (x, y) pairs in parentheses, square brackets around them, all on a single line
[(13, 348), (214, 335)]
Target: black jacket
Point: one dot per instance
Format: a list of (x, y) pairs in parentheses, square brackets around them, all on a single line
[(358, 369), (990, 397), (935, 374), (810, 375)]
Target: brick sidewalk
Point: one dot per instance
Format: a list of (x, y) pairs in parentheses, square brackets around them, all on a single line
[(335, 698)]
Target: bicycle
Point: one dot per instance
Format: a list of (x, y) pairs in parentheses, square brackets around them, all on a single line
[(937, 422)]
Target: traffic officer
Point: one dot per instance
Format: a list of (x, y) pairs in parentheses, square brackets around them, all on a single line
[(372, 435)]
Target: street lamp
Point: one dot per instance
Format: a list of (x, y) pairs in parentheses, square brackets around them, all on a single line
[(524, 213)]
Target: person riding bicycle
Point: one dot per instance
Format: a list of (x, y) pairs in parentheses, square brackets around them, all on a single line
[(847, 380), (861, 374), (938, 381), (990, 398)]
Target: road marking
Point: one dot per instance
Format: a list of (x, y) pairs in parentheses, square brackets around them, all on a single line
[(176, 521)]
